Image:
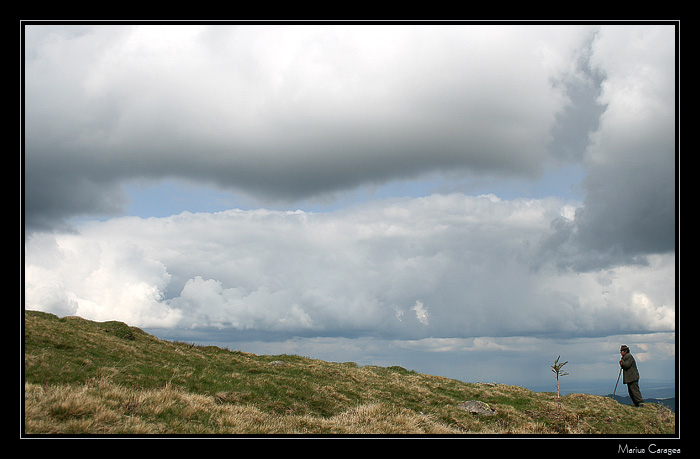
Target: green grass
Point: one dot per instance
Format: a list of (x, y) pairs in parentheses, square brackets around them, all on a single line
[(85, 377)]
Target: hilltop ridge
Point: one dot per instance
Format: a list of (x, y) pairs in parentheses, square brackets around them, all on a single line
[(86, 377)]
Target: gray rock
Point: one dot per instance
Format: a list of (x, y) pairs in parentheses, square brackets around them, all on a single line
[(477, 407)]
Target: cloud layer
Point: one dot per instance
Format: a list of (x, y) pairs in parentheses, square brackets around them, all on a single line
[(440, 266)]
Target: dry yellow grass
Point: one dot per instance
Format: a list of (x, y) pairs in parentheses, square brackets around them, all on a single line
[(102, 407), (105, 408)]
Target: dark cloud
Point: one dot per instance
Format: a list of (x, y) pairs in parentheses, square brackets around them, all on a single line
[(286, 113), (629, 210)]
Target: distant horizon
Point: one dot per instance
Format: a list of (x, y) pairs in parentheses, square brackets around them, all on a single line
[(650, 388), (658, 388)]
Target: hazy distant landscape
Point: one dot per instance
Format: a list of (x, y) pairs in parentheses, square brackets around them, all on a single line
[(650, 388), (669, 403)]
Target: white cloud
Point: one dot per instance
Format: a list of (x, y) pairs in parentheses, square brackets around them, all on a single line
[(421, 313), (98, 279), (348, 272)]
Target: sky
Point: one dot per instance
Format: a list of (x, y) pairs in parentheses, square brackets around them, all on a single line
[(466, 200)]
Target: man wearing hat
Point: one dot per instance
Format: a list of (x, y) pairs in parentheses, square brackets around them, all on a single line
[(630, 376)]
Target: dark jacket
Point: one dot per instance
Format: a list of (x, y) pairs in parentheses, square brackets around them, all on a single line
[(629, 369)]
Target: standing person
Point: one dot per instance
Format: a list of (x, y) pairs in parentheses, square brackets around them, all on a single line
[(630, 376)]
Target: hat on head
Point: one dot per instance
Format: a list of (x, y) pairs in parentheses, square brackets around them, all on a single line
[(624, 348)]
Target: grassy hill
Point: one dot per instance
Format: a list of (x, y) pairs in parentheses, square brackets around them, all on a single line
[(85, 377)]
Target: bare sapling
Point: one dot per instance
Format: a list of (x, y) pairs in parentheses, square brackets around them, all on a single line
[(557, 370)]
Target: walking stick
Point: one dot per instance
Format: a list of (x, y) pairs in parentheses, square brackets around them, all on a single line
[(618, 380)]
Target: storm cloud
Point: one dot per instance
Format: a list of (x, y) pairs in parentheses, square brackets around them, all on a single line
[(286, 112)]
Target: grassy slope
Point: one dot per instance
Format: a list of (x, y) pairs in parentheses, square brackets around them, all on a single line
[(84, 377)]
